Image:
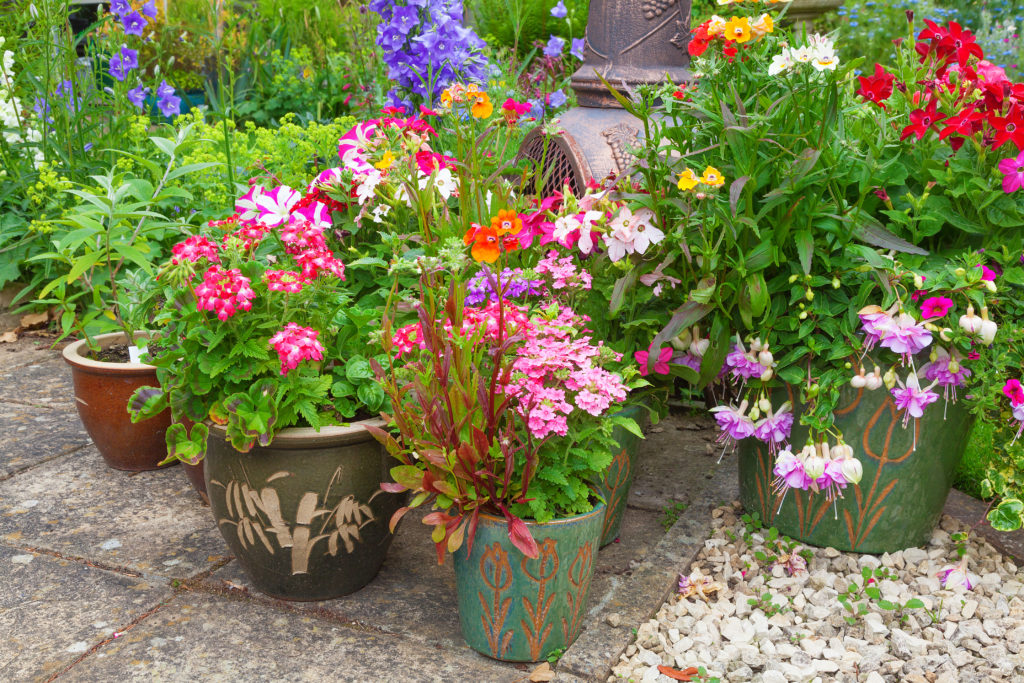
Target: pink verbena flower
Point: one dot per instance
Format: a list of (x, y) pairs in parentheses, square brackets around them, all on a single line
[(302, 235), (246, 237), (563, 272), (284, 281), (596, 389), (936, 307), (193, 249), (295, 344), (225, 292), (314, 261)]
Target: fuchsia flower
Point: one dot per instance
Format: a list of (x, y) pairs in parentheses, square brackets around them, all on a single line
[(957, 576), (906, 337), (660, 365), (936, 307), (1013, 173), (733, 422), (225, 292), (743, 365), (295, 344), (789, 472), (876, 324), (193, 249), (775, 428), (912, 399)]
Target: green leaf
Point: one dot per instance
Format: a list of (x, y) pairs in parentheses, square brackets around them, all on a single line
[(1008, 515), (805, 249), (357, 369), (146, 402), (370, 395), (622, 285), (913, 603), (886, 605)]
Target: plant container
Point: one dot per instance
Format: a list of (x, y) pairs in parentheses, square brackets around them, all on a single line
[(617, 480), (305, 516), (516, 609), (102, 390)]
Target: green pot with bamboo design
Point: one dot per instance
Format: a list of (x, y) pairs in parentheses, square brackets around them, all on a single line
[(305, 516), (518, 609), (908, 473), (616, 481)]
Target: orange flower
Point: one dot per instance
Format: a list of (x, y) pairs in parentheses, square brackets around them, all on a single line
[(482, 107), (507, 221), (488, 243)]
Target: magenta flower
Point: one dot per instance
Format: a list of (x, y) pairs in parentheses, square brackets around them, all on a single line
[(275, 205), (987, 274), (733, 423), (246, 207), (936, 307), (876, 324), (284, 281), (743, 365), (295, 344), (912, 399), (1014, 391), (775, 428), (906, 337), (660, 365), (789, 472), (224, 292), (1013, 173), (194, 248)]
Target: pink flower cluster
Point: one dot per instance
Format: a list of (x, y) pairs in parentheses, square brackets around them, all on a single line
[(900, 333), (817, 468), (563, 272), (517, 320), (295, 344), (1015, 392), (224, 291), (193, 249), (286, 281)]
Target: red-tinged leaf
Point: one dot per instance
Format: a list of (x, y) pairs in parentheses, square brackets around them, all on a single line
[(392, 487), (456, 537), (396, 518), (437, 518), (675, 674), (521, 537), (472, 530)]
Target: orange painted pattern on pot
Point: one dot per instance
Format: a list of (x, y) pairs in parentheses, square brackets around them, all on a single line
[(580, 574), (497, 575), (534, 629)]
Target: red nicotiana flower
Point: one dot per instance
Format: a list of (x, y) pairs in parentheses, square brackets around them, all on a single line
[(876, 88), (922, 120), (960, 43), (700, 40)]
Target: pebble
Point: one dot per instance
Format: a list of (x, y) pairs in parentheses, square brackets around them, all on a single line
[(975, 635)]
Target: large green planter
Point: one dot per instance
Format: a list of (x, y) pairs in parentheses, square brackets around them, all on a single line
[(516, 609), (900, 499), (305, 517), (617, 480)]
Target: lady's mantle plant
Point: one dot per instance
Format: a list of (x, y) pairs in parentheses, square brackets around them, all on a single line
[(257, 331)]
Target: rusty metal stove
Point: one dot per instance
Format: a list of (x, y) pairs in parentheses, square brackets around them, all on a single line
[(628, 42)]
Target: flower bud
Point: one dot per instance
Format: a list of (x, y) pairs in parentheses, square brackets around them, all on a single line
[(889, 379), (988, 332), (960, 272), (970, 323), (918, 282), (809, 295), (803, 315), (848, 365), (944, 334), (991, 286), (934, 355), (835, 283), (814, 467), (793, 278), (755, 344), (755, 413), (858, 381), (683, 341), (765, 404), (765, 357), (842, 451), (872, 382), (852, 470), (767, 374), (699, 347), (954, 367)]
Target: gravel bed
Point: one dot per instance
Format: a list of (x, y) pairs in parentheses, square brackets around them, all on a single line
[(798, 630)]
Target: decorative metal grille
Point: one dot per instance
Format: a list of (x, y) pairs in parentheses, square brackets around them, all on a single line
[(555, 165)]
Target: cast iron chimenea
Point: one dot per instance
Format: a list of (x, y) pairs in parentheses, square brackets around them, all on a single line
[(628, 42)]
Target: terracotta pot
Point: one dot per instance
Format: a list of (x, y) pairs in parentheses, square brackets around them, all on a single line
[(516, 609), (102, 391), (908, 472), (305, 516)]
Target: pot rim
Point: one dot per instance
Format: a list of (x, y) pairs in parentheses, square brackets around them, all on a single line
[(293, 438), (599, 507), (73, 354)]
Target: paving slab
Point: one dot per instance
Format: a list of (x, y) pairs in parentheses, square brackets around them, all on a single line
[(52, 611), (149, 522), (44, 382), (27, 350), (972, 511), (676, 461), (204, 637), (33, 435)]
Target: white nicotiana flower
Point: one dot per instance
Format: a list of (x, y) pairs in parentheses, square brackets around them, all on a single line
[(380, 213), (825, 58), (368, 186)]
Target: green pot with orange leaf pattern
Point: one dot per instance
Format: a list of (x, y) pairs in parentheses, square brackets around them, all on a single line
[(908, 473), (518, 609), (617, 479)]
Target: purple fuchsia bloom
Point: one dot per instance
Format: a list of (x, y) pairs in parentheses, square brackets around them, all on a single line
[(906, 337), (956, 576), (789, 472), (137, 96), (946, 372), (554, 47), (876, 324), (688, 360), (133, 23), (124, 61), (743, 365), (912, 399), (1013, 173), (167, 102), (576, 49), (774, 429), (734, 423)]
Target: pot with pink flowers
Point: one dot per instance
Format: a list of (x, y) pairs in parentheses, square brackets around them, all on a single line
[(264, 361)]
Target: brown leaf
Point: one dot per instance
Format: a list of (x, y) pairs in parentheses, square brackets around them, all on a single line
[(675, 674), (542, 674), (9, 337), (30, 321)]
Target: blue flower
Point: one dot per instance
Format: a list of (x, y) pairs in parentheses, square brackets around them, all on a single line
[(133, 24), (167, 102), (124, 61), (559, 11), (554, 47), (556, 99), (577, 48), (137, 96), (405, 19), (120, 7), (149, 9)]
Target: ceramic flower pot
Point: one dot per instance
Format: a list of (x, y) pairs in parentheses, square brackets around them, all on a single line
[(102, 391), (516, 609), (305, 516), (901, 495), (617, 480)]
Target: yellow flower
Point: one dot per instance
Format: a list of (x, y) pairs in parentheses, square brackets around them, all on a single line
[(688, 180), (738, 30), (712, 177), (386, 161), (482, 107), (763, 26)]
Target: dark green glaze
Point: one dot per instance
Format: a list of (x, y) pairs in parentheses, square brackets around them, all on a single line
[(520, 610), (900, 499), (617, 479), (305, 516)]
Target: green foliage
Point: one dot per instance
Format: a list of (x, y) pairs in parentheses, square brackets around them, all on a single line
[(520, 23), (861, 593), (670, 514)]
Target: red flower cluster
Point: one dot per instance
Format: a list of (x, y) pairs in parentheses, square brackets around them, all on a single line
[(701, 40), (876, 88)]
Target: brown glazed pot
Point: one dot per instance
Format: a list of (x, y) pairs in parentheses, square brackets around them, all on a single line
[(102, 391)]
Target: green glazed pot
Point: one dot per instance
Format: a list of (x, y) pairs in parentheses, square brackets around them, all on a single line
[(520, 610), (305, 517), (617, 480), (900, 499)]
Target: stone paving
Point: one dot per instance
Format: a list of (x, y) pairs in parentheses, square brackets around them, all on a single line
[(110, 575)]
